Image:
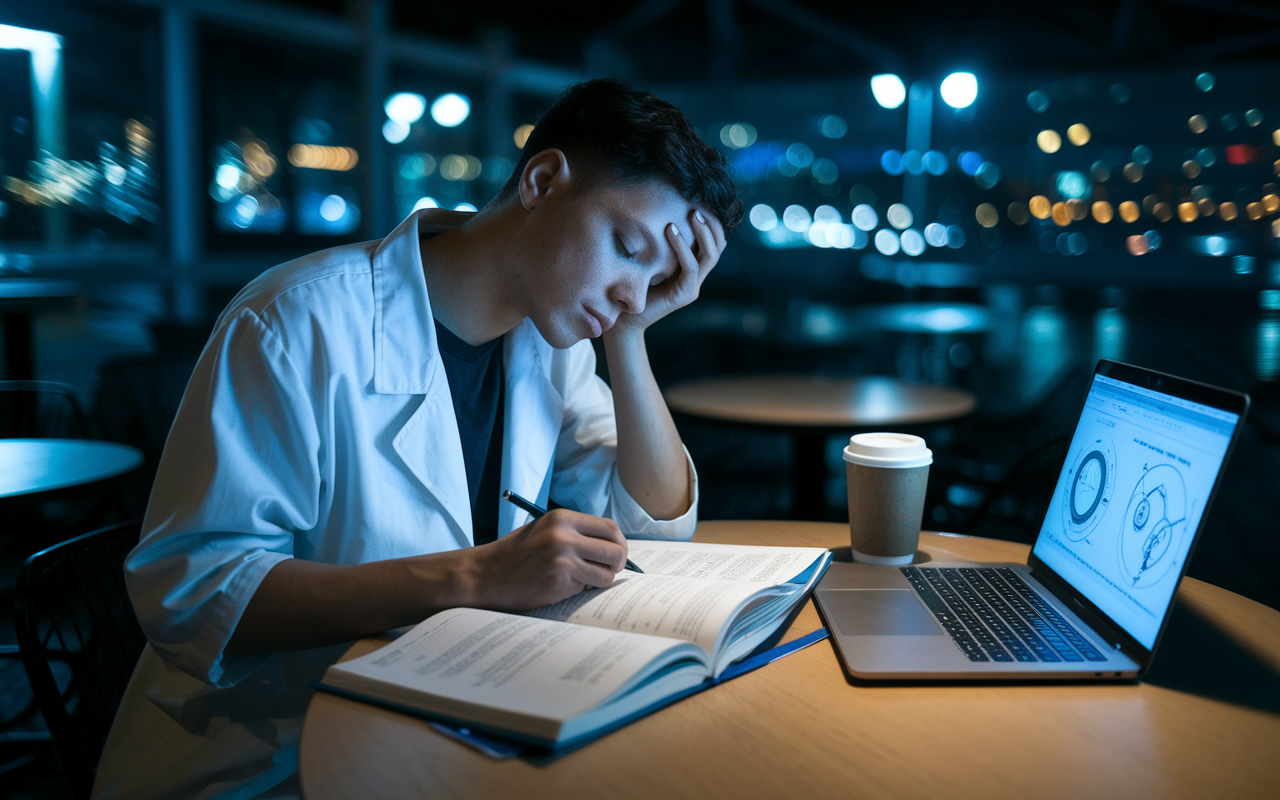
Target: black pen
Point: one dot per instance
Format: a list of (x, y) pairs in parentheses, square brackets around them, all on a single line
[(519, 501)]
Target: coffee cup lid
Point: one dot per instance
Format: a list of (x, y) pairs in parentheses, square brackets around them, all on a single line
[(891, 450)]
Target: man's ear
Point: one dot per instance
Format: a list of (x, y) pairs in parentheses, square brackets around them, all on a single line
[(546, 172)]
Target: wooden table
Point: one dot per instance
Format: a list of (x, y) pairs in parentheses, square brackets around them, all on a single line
[(812, 408), (19, 298), (36, 470), (797, 728)]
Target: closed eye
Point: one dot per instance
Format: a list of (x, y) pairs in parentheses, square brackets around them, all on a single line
[(622, 248)]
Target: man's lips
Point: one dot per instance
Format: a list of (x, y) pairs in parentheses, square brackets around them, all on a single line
[(599, 322)]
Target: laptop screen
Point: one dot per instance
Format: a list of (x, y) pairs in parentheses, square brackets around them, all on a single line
[(1140, 469)]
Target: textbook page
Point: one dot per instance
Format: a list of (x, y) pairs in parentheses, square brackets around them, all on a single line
[(662, 605), (723, 562), (507, 670)]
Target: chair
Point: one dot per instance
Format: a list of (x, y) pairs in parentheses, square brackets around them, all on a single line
[(72, 613), (40, 410)]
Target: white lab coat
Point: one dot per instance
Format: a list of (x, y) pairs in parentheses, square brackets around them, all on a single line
[(318, 424)]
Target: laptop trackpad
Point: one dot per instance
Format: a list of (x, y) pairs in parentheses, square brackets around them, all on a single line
[(878, 612)]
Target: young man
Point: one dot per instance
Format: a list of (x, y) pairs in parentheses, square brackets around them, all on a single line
[(336, 466)]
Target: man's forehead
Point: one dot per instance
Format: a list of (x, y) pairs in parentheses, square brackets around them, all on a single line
[(646, 201)]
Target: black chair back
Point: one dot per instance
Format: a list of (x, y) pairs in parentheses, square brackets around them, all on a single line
[(79, 640), (40, 410)]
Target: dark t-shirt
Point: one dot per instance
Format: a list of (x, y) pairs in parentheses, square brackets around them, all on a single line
[(475, 381)]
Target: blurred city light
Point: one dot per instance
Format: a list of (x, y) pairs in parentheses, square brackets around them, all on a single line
[(395, 131), (959, 89), (451, 110), (522, 135), (318, 156), (405, 107), (970, 162), (1049, 140), (832, 126), (887, 242), (1079, 134), (464, 207), (796, 218), (899, 216), (864, 217), (1038, 101), (425, 202), (332, 208), (912, 242), (1072, 185), (889, 90), (1205, 81), (738, 135), (763, 217)]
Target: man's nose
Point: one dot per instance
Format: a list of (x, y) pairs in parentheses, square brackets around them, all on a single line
[(631, 296)]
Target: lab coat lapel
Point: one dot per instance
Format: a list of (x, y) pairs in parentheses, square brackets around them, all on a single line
[(531, 421), (407, 361)]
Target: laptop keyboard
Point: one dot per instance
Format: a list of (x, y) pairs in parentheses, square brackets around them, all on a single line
[(992, 615)]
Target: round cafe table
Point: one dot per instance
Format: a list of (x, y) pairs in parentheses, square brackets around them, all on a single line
[(1196, 727), (37, 470), (811, 408)]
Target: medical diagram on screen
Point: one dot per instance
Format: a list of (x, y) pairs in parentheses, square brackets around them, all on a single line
[(1128, 503)]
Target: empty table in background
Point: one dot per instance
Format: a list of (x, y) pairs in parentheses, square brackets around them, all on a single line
[(36, 470), (813, 408)]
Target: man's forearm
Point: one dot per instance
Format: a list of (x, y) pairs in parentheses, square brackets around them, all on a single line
[(302, 604), (651, 459)]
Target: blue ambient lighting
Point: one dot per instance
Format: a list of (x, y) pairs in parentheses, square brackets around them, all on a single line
[(1072, 185)]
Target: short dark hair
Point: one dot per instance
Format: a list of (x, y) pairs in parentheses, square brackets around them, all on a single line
[(633, 136)]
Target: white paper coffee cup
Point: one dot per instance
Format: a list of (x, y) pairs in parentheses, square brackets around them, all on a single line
[(888, 474)]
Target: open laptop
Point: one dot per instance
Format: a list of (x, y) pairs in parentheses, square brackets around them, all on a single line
[(1095, 594)]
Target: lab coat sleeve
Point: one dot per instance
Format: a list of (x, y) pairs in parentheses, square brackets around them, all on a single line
[(240, 473), (585, 475)]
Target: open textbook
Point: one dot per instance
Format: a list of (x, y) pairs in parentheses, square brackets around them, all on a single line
[(567, 671)]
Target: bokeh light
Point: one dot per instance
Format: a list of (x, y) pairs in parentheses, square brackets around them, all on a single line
[(1049, 140), (1072, 185), (889, 91), (887, 242), (1187, 211), (521, 135), (333, 208), (738, 135), (832, 126), (1102, 212), (1142, 154), (1061, 215), (425, 202), (763, 217), (451, 110), (1129, 211), (1253, 117), (864, 217), (986, 215), (959, 89), (1191, 169), (988, 175), (1162, 211), (899, 216), (912, 242), (935, 233), (1079, 134), (1198, 124), (1133, 172), (1136, 244), (1038, 101), (395, 131), (405, 107), (796, 218), (1040, 207), (1101, 171), (1228, 211), (970, 162), (1205, 81), (891, 162)]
